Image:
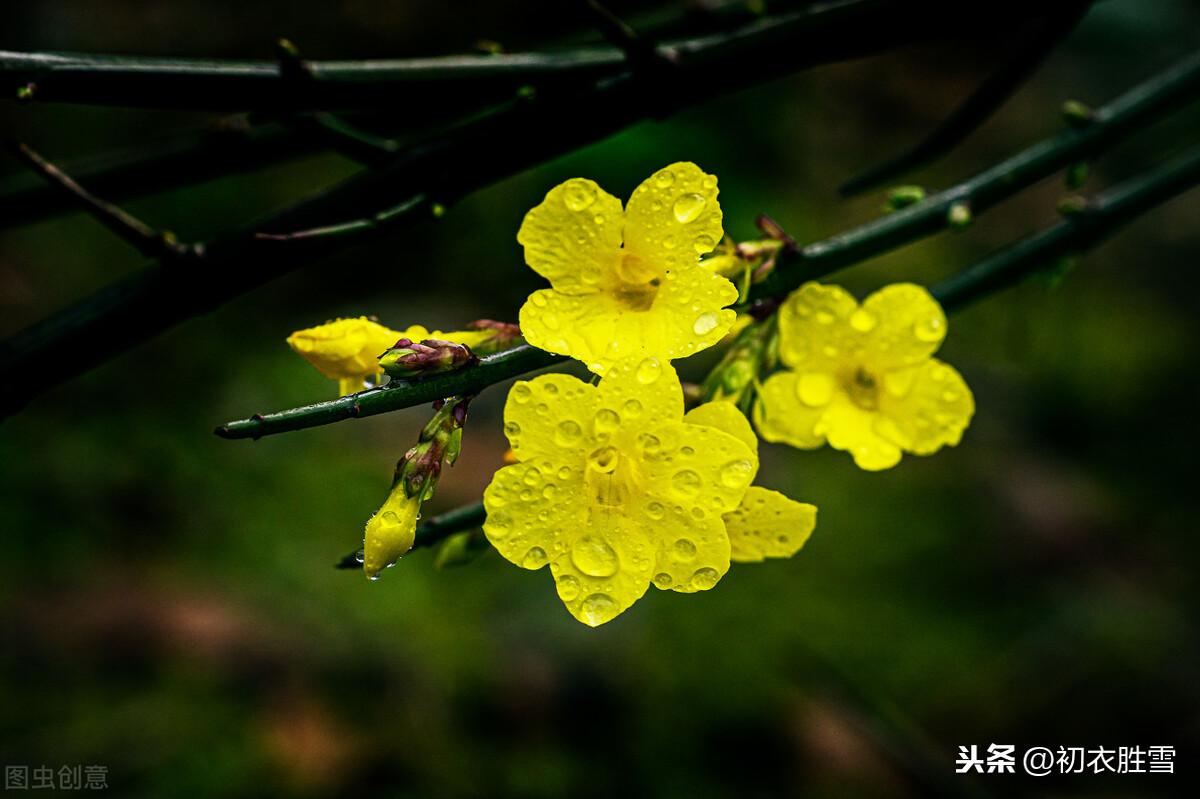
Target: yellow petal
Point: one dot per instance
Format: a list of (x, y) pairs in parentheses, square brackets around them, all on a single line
[(549, 420), (702, 471), (692, 553), (768, 525), (673, 217), (782, 416), (726, 417), (639, 395), (390, 532), (686, 315), (925, 407), (345, 348), (605, 569), (852, 429), (573, 237), (905, 325), (817, 328), (532, 514)]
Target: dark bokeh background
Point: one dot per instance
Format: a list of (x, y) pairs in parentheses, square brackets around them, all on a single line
[(167, 602)]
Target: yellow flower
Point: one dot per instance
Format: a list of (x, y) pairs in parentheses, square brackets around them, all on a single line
[(627, 283), (348, 350), (391, 531), (616, 488), (863, 378)]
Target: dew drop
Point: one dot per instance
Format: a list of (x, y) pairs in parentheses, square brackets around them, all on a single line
[(929, 330), (606, 421), (685, 549), (688, 207), (521, 392), (664, 178), (632, 408), (564, 473), (599, 608), (686, 482), (535, 558), (705, 578), (663, 580), (594, 557), (737, 474), (704, 244), (705, 323), (649, 370), (568, 587), (567, 433), (655, 510), (579, 194)]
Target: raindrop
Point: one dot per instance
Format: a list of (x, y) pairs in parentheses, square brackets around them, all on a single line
[(688, 207), (568, 587), (649, 370), (535, 558), (594, 557), (685, 549), (606, 421), (567, 433), (705, 323), (930, 330), (579, 194), (705, 578), (663, 580), (862, 321), (686, 482), (655, 510), (737, 474), (599, 608)]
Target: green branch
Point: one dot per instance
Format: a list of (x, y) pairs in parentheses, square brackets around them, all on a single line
[(396, 394), (1098, 220), (1079, 232), (1136, 109), (457, 161)]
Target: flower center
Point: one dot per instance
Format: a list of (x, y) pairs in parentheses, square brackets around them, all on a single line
[(637, 283), (609, 478), (863, 389)]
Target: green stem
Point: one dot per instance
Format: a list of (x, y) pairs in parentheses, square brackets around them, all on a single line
[(1132, 111), (1078, 233), (454, 162), (1103, 217), (396, 394)]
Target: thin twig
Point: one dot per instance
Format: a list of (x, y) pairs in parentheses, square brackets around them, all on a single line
[(983, 102), (461, 159), (1078, 233), (145, 239), (1106, 214)]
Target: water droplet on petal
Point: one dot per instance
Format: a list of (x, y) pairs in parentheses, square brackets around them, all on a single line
[(568, 587), (594, 557), (579, 194), (705, 578), (599, 608), (655, 510), (564, 473), (606, 421), (664, 178), (686, 482), (688, 207), (685, 549), (930, 330), (737, 473), (705, 323), (632, 408), (663, 580), (567, 433), (604, 460), (535, 558), (521, 392), (649, 370), (703, 244)]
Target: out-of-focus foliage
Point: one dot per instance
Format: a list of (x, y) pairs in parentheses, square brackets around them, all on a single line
[(167, 602)]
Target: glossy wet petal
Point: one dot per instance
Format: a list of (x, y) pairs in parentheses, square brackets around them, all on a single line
[(692, 553), (855, 430), (768, 525), (781, 416), (605, 569), (344, 348), (573, 236), (905, 325), (674, 217), (548, 420), (726, 417), (390, 532), (532, 513), (815, 330), (925, 407)]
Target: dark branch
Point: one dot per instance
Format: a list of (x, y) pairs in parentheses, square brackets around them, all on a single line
[(993, 93)]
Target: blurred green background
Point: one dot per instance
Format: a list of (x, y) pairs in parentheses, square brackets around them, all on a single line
[(167, 602)]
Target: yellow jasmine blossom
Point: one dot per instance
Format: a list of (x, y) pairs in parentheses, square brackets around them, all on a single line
[(627, 283), (614, 488), (391, 531), (348, 350), (862, 378), (766, 524)]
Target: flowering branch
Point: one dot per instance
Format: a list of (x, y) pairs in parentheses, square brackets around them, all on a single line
[(451, 163)]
